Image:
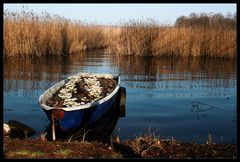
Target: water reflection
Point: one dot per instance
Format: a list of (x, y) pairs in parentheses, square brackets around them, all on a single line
[(216, 73), (177, 69), (160, 91), (152, 66)]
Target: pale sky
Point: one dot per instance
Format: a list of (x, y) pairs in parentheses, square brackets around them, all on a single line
[(109, 13)]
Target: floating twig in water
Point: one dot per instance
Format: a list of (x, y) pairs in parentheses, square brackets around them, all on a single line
[(201, 107)]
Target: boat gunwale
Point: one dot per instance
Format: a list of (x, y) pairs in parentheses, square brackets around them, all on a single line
[(52, 90)]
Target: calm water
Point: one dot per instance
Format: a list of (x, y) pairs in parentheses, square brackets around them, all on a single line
[(183, 98)]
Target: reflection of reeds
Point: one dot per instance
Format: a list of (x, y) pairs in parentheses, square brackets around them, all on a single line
[(28, 34), (53, 66), (193, 67), (150, 72)]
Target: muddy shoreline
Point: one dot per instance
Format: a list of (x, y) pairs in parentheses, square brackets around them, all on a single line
[(20, 145), (141, 147)]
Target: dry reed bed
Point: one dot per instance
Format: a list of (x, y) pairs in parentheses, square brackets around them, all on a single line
[(27, 34), (147, 38)]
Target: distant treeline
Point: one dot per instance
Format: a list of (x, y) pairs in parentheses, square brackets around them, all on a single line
[(28, 34), (207, 20)]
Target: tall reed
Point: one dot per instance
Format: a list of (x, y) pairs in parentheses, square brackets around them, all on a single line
[(136, 37)]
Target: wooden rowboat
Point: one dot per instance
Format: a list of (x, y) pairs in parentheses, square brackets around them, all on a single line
[(71, 119)]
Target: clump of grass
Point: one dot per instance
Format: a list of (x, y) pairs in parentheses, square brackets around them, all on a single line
[(37, 154), (20, 152), (63, 152), (27, 153)]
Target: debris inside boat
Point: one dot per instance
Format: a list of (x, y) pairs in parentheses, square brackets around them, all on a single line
[(80, 90)]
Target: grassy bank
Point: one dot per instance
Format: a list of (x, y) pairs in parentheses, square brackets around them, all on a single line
[(27, 34)]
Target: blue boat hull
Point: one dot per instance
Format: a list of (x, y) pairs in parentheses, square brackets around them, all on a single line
[(71, 121)]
